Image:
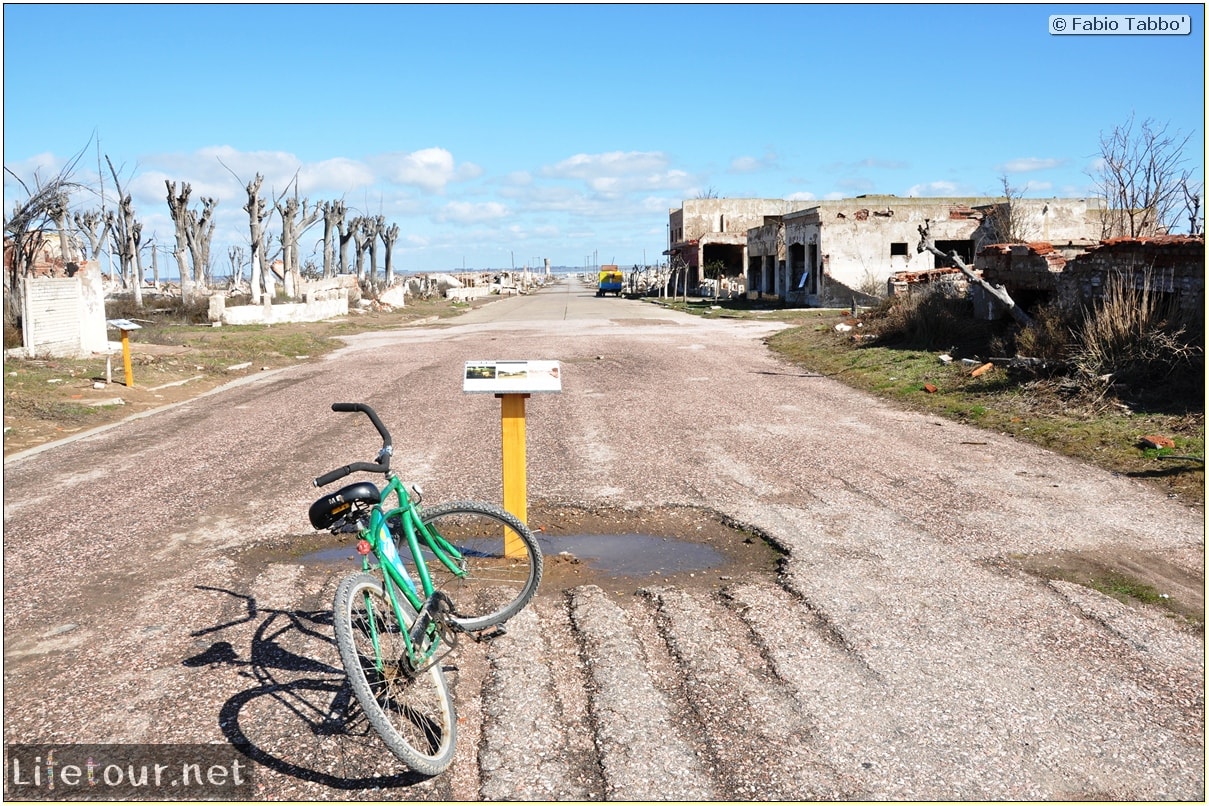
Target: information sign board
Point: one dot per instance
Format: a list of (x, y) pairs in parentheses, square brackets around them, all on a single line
[(123, 324), (512, 377)]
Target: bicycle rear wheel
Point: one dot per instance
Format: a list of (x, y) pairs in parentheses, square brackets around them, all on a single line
[(500, 557), (412, 712)]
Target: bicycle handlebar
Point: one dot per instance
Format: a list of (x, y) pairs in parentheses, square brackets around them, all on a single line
[(380, 466)]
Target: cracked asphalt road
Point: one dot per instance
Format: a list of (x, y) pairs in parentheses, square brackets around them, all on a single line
[(154, 591)]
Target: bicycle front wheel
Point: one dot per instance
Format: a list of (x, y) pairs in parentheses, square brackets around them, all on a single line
[(411, 711), (501, 563)]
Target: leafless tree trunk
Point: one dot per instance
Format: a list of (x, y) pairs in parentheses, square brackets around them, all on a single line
[(57, 213), (23, 231), (389, 236), (373, 226), (295, 220), (333, 219), (361, 233), (87, 223), (1005, 223), (1140, 178), (347, 233), (1192, 206), (200, 231), (256, 209), (926, 244), (155, 266), (178, 206), (136, 240), (235, 255)]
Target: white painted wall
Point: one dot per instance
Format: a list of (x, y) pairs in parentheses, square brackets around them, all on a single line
[(65, 316)]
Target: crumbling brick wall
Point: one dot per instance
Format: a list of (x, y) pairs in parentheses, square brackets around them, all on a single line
[(1171, 264), (1075, 275), (1021, 266)]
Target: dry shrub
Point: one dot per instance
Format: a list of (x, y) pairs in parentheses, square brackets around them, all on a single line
[(1136, 335), (934, 318), (1051, 336)]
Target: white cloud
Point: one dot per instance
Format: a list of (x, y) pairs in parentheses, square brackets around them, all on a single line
[(939, 188), (875, 162), (746, 165), (340, 174), (1025, 164), (471, 212), (802, 195), (429, 168), (618, 172)]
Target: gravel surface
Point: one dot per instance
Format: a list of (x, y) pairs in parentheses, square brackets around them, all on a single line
[(154, 589)]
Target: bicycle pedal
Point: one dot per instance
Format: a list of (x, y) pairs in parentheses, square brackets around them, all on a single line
[(487, 636)]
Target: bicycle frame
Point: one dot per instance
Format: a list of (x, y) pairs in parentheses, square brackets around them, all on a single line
[(395, 576)]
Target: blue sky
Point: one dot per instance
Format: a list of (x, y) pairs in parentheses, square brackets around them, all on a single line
[(498, 135)]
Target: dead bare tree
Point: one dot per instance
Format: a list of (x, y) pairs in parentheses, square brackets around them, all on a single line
[(373, 226), (200, 231), (295, 220), (255, 208), (178, 206), (389, 236), (926, 244), (1141, 179), (58, 213), (24, 230), (125, 234), (235, 258), (87, 223), (360, 231), (346, 232), (1005, 222), (1192, 207), (333, 223)]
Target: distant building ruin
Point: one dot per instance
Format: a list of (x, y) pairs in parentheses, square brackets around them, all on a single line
[(816, 253)]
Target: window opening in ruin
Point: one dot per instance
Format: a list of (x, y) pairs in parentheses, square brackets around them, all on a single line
[(964, 249), (898, 248)]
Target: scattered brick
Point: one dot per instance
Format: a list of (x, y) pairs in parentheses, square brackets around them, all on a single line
[(1155, 441)]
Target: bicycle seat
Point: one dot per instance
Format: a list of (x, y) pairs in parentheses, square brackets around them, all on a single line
[(336, 507)]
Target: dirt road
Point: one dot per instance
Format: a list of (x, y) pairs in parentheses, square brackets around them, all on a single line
[(157, 586)]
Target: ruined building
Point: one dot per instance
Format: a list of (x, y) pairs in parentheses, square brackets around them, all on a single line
[(705, 231), (820, 252)]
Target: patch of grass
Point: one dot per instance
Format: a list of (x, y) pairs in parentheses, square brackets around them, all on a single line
[(1124, 588), (1050, 412), (45, 397)]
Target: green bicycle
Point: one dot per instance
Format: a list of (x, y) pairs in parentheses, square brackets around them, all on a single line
[(475, 566)]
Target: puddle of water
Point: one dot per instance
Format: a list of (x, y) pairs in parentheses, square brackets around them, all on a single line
[(633, 555), (620, 555), (336, 554)]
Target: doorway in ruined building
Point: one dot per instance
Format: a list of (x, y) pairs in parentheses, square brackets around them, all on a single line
[(755, 274), (797, 267), (729, 255)]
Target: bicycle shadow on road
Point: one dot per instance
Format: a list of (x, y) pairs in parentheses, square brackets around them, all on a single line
[(298, 716)]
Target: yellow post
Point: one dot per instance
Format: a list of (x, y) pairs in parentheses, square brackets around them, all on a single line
[(126, 358), (512, 421)]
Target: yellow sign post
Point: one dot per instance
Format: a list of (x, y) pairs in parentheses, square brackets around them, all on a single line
[(512, 382), (516, 494), (125, 325)]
